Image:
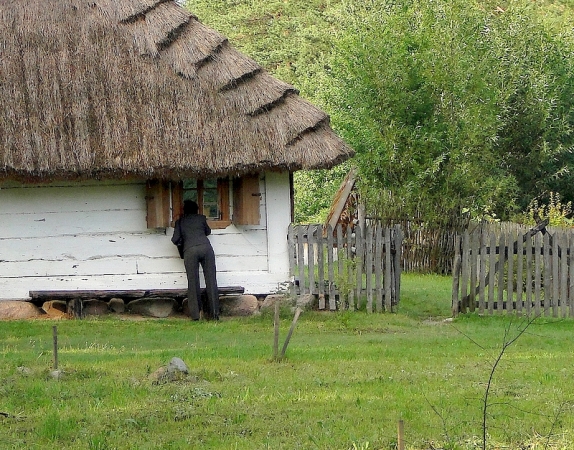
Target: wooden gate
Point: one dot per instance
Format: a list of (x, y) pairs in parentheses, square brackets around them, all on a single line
[(347, 268), (526, 272)]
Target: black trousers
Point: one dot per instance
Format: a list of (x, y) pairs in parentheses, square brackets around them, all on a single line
[(192, 258)]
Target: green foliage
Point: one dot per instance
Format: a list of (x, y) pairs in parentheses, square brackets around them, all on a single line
[(558, 213), (453, 106), (314, 192)]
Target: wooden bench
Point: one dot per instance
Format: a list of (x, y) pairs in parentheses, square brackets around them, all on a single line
[(75, 298)]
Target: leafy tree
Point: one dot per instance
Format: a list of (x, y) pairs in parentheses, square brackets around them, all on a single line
[(454, 106)]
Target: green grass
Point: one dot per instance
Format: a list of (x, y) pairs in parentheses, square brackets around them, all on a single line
[(346, 381)]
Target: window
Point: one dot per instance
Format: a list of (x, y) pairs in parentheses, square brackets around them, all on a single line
[(212, 197)]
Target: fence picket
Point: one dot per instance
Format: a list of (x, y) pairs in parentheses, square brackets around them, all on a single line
[(519, 272), (360, 247), (378, 269), (331, 268), (350, 273), (320, 267), (481, 272), (491, 273), (387, 278), (396, 265), (465, 280), (301, 259), (501, 264), (473, 270), (547, 275), (510, 271), (555, 275), (528, 294), (311, 259), (369, 266), (571, 273), (563, 274), (537, 275)]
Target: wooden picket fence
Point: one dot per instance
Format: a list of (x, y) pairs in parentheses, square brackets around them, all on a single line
[(347, 268), (514, 271)]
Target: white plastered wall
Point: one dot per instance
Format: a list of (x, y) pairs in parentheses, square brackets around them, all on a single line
[(94, 236)]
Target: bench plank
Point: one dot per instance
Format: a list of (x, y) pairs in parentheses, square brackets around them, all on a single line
[(108, 294)]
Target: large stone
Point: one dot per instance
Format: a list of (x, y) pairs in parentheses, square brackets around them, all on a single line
[(117, 305), (241, 305), (153, 307), (270, 300), (177, 365), (15, 310), (95, 308), (307, 301), (176, 370), (55, 308)]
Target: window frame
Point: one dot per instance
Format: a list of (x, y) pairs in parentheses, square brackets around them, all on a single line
[(222, 202), (164, 200)]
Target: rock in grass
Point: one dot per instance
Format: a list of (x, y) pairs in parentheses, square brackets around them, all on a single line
[(177, 365), (174, 371)]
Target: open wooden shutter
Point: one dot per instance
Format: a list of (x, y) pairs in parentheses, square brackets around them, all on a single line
[(158, 201), (246, 199), (176, 201)]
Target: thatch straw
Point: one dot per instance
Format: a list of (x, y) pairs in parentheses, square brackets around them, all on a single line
[(115, 88)]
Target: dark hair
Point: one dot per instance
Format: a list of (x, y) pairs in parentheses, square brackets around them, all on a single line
[(190, 207)]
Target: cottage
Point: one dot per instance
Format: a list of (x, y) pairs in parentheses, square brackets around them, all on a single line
[(112, 113)]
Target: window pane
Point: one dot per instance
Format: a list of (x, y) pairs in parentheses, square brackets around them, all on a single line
[(206, 194), (210, 199)]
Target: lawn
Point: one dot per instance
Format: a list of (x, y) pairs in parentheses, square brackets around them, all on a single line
[(346, 381)]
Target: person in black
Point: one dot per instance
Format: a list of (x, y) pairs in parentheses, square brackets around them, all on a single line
[(197, 250)]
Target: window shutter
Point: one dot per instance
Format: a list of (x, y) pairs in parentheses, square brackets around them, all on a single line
[(157, 200), (176, 201), (246, 199)]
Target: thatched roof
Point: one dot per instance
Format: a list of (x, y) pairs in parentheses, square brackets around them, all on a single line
[(115, 88)]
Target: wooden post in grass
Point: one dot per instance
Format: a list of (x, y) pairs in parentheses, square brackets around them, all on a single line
[(276, 324), (401, 435), (55, 333), (297, 313)]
